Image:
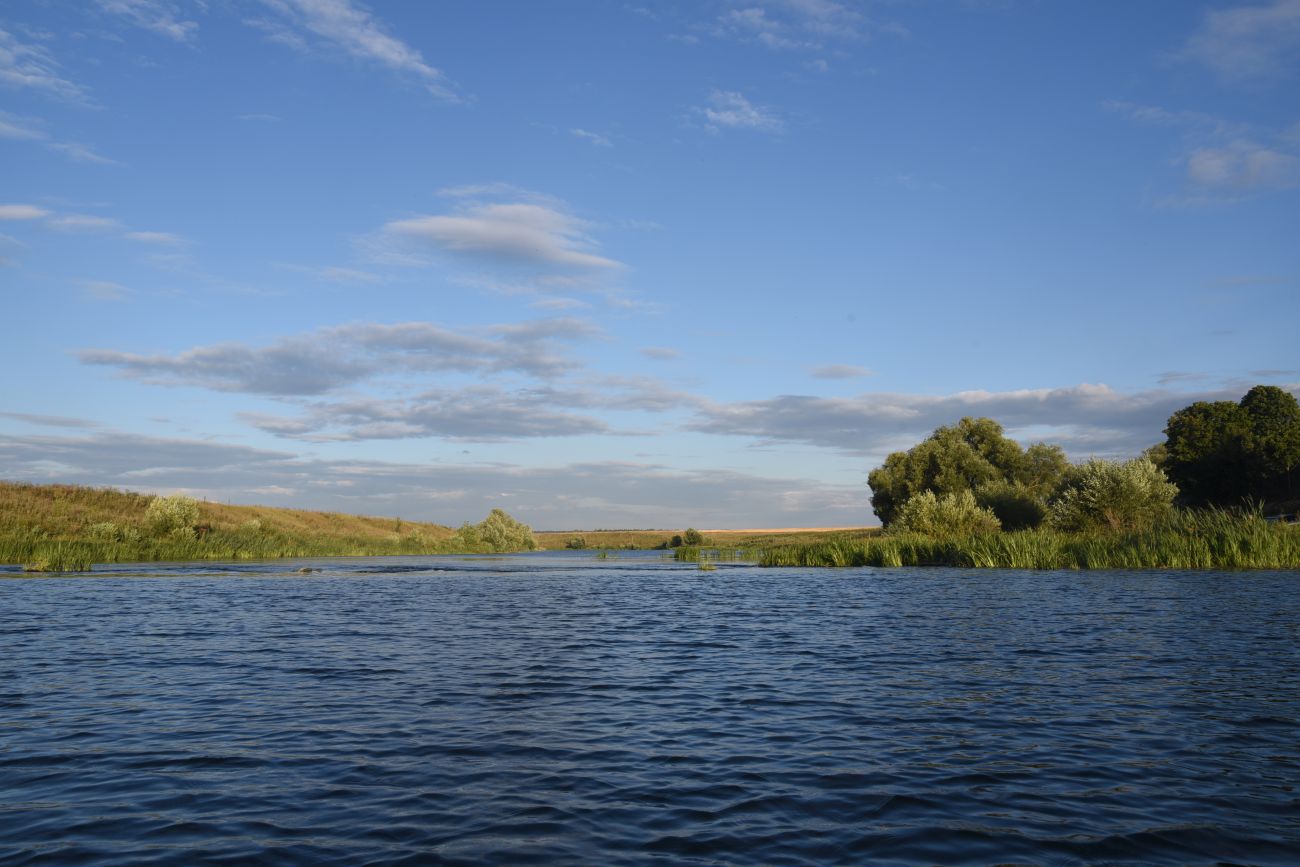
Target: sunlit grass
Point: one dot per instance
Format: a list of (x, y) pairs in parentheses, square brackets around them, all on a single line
[(66, 528), (1189, 540)]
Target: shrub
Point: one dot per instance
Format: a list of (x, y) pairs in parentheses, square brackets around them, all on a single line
[(1016, 506), (949, 515), (576, 543), (692, 537), (104, 531), (1109, 495), (172, 513), (498, 533)]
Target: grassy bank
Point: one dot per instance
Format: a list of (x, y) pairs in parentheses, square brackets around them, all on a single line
[(1190, 540), (55, 527), (646, 540)]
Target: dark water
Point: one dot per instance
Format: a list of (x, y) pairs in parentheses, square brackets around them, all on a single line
[(563, 709)]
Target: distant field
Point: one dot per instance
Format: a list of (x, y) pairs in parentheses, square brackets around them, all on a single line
[(749, 538)]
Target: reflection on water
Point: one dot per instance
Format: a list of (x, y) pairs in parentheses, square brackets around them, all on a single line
[(560, 708)]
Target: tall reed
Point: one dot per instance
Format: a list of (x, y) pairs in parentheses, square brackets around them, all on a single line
[(1208, 539)]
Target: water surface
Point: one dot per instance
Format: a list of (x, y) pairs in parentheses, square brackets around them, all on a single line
[(557, 708)]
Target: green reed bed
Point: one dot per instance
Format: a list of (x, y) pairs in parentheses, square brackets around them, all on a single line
[(1189, 540), (710, 554), (37, 554)]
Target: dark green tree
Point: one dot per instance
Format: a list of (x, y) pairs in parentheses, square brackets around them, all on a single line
[(1224, 453), (971, 454), (1273, 445)]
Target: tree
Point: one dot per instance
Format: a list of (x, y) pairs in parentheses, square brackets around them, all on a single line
[(1224, 453), (692, 537), (1273, 445), (963, 457), (1108, 495)]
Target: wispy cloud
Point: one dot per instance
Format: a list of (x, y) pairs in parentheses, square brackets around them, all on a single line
[(332, 358), (165, 239), (1243, 165), (17, 129), (158, 16), (728, 109), (840, 371), (661, 353), (595, 138), (28, 66), (338, 273), (346, 26), (48, 420), (521, 232), (22, 212), (477, 414), (1086, 419), (1250, 41), (81, 153), (30, 129), (83, 223), (105, 290), (1221, 160)]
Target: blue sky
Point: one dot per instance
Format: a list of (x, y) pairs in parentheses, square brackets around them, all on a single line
[(621, 265)]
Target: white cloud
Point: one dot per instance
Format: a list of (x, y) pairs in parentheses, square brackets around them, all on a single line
[(83, 223), (22, 212), (841, 371), (353, 29), (331, 358), (731, 110), (165, 239), (81, 153), (31, 129), (1221, 160), (17, 129), (1243, 165), (32, 66), (595, 138), (340, 274), (105, 290), (1249, 41), (514, 232), (1086, 419), (158, 16)]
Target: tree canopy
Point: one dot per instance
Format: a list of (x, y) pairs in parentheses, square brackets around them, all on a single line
[(967, 456), (1223, 453)]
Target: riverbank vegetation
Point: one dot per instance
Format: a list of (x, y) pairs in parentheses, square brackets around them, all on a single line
[(65, 527), (968, 496)]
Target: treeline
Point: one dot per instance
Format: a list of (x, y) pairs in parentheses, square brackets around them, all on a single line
[(970, 496)]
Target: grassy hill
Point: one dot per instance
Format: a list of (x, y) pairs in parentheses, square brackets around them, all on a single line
[(66, 525)]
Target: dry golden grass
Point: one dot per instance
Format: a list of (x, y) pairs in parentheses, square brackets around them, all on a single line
[(66, 511)]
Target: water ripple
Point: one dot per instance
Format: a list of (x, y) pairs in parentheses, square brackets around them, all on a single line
[(559, 709)]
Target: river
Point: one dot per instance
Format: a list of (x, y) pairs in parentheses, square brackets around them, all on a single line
[(560, 708)]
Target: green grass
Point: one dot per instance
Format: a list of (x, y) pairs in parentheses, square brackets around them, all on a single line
[(53, 528), (1189, 540)]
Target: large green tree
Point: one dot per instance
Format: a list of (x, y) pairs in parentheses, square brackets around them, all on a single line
[(971, 455), (1223, 453)]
